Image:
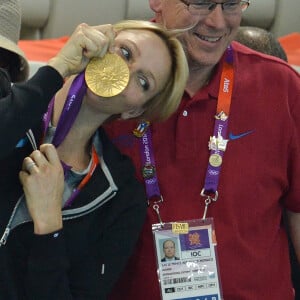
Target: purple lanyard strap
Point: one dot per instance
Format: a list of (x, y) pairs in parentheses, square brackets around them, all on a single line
[(69, 112), (217, 144)]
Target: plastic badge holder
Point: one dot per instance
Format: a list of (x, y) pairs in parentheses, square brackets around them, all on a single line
[(192, 274)]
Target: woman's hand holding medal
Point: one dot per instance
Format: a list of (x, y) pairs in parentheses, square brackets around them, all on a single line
[(85, 43)]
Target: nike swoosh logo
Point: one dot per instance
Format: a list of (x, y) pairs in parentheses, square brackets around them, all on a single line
[(238, 136)]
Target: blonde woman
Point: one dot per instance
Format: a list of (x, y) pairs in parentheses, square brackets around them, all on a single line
[(79, 251)]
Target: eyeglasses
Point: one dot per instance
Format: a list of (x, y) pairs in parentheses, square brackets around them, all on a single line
[(205, 7)]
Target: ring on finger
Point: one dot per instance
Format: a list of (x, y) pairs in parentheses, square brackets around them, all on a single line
[(30, 166)]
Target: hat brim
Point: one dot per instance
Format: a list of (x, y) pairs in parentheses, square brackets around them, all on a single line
[(11, 46)]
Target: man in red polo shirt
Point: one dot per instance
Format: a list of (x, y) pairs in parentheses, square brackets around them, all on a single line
[(248, 173)]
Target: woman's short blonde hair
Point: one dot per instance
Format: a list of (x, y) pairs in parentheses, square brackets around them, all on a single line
[(162, 105)]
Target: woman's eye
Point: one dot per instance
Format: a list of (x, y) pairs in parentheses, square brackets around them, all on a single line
[(126, 53), (144, 83)]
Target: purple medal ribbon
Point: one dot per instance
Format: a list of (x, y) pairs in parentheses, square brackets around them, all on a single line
[(66, 120), (69, 112)]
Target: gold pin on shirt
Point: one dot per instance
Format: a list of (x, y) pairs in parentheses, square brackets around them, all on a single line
[(107, 76), (215, 160)]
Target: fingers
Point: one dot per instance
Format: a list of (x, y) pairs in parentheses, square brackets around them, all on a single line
[(39, 158), (30, 165), (109, 32), (42, 179), (32, 162), (97, 39), (27, 169), (43, 163), (50, 153), (85, 43)]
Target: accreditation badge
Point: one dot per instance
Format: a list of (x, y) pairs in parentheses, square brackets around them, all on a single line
[(187, 264)]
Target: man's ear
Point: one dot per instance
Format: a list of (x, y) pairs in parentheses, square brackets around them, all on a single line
[(133, 113), (155, 5)]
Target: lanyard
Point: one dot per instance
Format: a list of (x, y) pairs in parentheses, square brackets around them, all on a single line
[(217, 144), (84, 181), (143, 132), (69, 113), (70, 110)]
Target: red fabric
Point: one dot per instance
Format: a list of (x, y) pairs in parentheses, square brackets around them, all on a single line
[(260, 173), (291, 45), (42, 50)]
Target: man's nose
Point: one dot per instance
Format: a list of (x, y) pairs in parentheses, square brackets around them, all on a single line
[(216, 18)]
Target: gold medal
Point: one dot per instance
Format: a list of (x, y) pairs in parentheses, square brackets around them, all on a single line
[(107, 76), (215, 160)]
